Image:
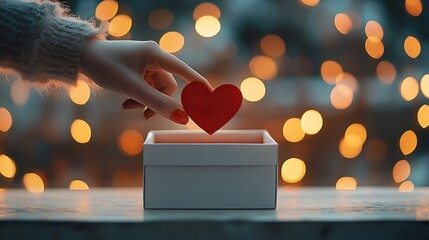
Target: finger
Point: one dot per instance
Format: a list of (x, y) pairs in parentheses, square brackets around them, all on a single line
[(131, 104), (163, 104), (163, 82), (172, 64)]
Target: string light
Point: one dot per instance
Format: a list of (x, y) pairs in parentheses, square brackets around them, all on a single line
[(346, 184), (330, 70), (106, 10), (5, 120), (413, 7), (273, 45), (406, 186), (343, 23), (80, 93), (310, 3), (33, 183), (207, 26), (131, 142), (120, 25), (293, 170), (206, 9), (172, 42), (78, 185), (7, 166), (311, 122), (401, 171), (263, 67), (423, 116), (408, 142), (409, 88), (292, 130), (80, 131), (412, 47), (386, 72), (253, 89)]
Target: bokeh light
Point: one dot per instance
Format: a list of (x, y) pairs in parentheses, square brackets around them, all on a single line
[(412, 47), (408, 142), (5, 120), (78, 185), (80, 131), (356, 130), (7, 166), (406, 186), (292, 130), (207, 26), (106, 10), (413, 7), (348, 80), (19, 91), (330, 70), (33, 183), (172, 42), (206, 9), (349, 146), (341, 97), (131, 142), (409, 88), (253, 89), (263, 67), (160, 18), (386, 72), (293, 170), (374, 29), (310, 3), (424, 85), (311, 122), (120, 25), (401, 171), (343, 23), (346, 183), (273, 45), (80, 93), (374, 47), (423, 116)]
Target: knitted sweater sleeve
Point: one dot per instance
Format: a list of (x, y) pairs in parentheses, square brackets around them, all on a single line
[(41, 41)]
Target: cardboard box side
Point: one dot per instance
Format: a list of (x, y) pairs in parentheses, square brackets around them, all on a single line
[(219, 187)]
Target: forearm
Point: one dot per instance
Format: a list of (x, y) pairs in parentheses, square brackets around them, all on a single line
[(41, 41)]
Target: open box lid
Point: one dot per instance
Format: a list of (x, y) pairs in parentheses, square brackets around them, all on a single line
[(194, 147)]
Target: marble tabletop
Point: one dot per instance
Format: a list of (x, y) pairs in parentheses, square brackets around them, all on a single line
[(318, 210)]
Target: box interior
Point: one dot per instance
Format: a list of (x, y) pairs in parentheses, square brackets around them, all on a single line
[(249, 137)]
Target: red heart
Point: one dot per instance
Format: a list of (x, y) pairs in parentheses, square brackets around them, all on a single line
[(211, 109)]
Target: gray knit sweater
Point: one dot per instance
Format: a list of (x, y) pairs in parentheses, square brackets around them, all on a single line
[(41, 40)]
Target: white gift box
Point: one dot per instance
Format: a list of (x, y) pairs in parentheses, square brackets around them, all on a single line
[(193, 170)]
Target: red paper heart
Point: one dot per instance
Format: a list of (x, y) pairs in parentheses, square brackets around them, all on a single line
[(211, 109)]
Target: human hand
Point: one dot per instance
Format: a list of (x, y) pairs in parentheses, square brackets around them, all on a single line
[(142, 71)]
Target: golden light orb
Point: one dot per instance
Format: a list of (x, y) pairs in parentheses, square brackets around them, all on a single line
[(120, 25), (408, 142), (386, 72), (80, 131), (33, 183), (409, 88), (412, 47), (273, 45), (78, 185), (131, 142), (293, 170), (106, 10), (292, 130), (401, 171), (263, 67), (207, 26), (311, 122), (172, 42), (346, 184), (253, 89)]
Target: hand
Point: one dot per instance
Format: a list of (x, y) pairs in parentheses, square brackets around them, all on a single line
[(140, 70)]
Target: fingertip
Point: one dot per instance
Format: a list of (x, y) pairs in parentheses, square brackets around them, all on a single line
[(179, 116)]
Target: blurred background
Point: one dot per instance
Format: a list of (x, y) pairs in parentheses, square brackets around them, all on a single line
[(341, 85)]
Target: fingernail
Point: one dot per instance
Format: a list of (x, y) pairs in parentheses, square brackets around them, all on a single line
[(131, 103), (179, 117), (148, 113)]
